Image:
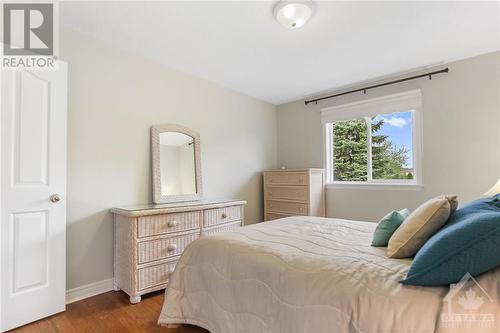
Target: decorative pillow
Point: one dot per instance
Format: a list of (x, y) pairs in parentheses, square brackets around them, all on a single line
[(469, 242), (453, 203), (419, 227), (387, 225)]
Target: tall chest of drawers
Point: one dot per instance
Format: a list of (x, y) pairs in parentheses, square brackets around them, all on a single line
[(150, 239), (294, 192)]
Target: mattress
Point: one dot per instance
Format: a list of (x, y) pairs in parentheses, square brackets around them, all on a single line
[(297, 274)]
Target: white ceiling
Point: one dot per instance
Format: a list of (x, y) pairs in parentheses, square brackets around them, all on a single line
[(240, 46)]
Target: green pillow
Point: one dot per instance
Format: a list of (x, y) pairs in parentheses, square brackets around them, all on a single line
[(387, 225)]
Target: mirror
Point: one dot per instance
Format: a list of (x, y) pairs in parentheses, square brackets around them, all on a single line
[(177, 175), (176, 164)]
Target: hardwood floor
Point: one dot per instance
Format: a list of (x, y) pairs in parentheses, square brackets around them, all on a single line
[(108, 312)]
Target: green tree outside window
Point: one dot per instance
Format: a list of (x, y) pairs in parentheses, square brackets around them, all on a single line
[(350, 152)]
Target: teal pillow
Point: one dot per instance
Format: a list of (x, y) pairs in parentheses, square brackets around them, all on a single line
[(468, 243), (387, 225)]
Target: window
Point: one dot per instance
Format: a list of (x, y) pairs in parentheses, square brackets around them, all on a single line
[(365, 145)]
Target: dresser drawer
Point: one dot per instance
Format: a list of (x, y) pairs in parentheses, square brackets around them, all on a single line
[(155, 275), (293, 208), (221, 215), (286, 178), (222, 228), (163, 248), (274, 216), (167, 223), (288, 193)]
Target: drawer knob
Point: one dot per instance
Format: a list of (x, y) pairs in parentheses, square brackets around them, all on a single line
[(172, 224), (224, 215), (171, 247)]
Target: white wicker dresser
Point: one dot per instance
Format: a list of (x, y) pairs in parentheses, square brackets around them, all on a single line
[(149, 239)]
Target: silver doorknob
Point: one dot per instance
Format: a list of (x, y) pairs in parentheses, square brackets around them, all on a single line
[(55, 197)]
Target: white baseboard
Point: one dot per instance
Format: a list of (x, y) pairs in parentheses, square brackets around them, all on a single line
[(88, 290)]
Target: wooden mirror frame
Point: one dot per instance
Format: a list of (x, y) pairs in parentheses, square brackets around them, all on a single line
[(158, 198)]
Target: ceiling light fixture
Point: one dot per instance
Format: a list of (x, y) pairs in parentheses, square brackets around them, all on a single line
[(293, 14)]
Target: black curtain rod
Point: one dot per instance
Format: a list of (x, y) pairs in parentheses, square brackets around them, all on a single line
[(430, 74)]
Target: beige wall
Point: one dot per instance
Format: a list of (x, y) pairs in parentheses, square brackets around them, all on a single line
[(114, 98), (461, 139)]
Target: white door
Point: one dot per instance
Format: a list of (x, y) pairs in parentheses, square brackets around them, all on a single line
[(32, 195)]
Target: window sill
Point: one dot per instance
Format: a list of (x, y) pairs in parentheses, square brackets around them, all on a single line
[(375, 186)]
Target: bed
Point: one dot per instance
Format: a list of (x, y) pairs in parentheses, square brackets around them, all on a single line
[(297, 274)]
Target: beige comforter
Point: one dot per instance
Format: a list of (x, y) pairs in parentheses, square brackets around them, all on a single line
[(298, 274)]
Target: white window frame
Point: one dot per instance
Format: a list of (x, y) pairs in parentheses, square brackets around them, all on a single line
[(400, 102)]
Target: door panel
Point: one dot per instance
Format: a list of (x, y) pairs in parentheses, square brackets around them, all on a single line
[(29, 258), (33, 167), (30, 113)]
